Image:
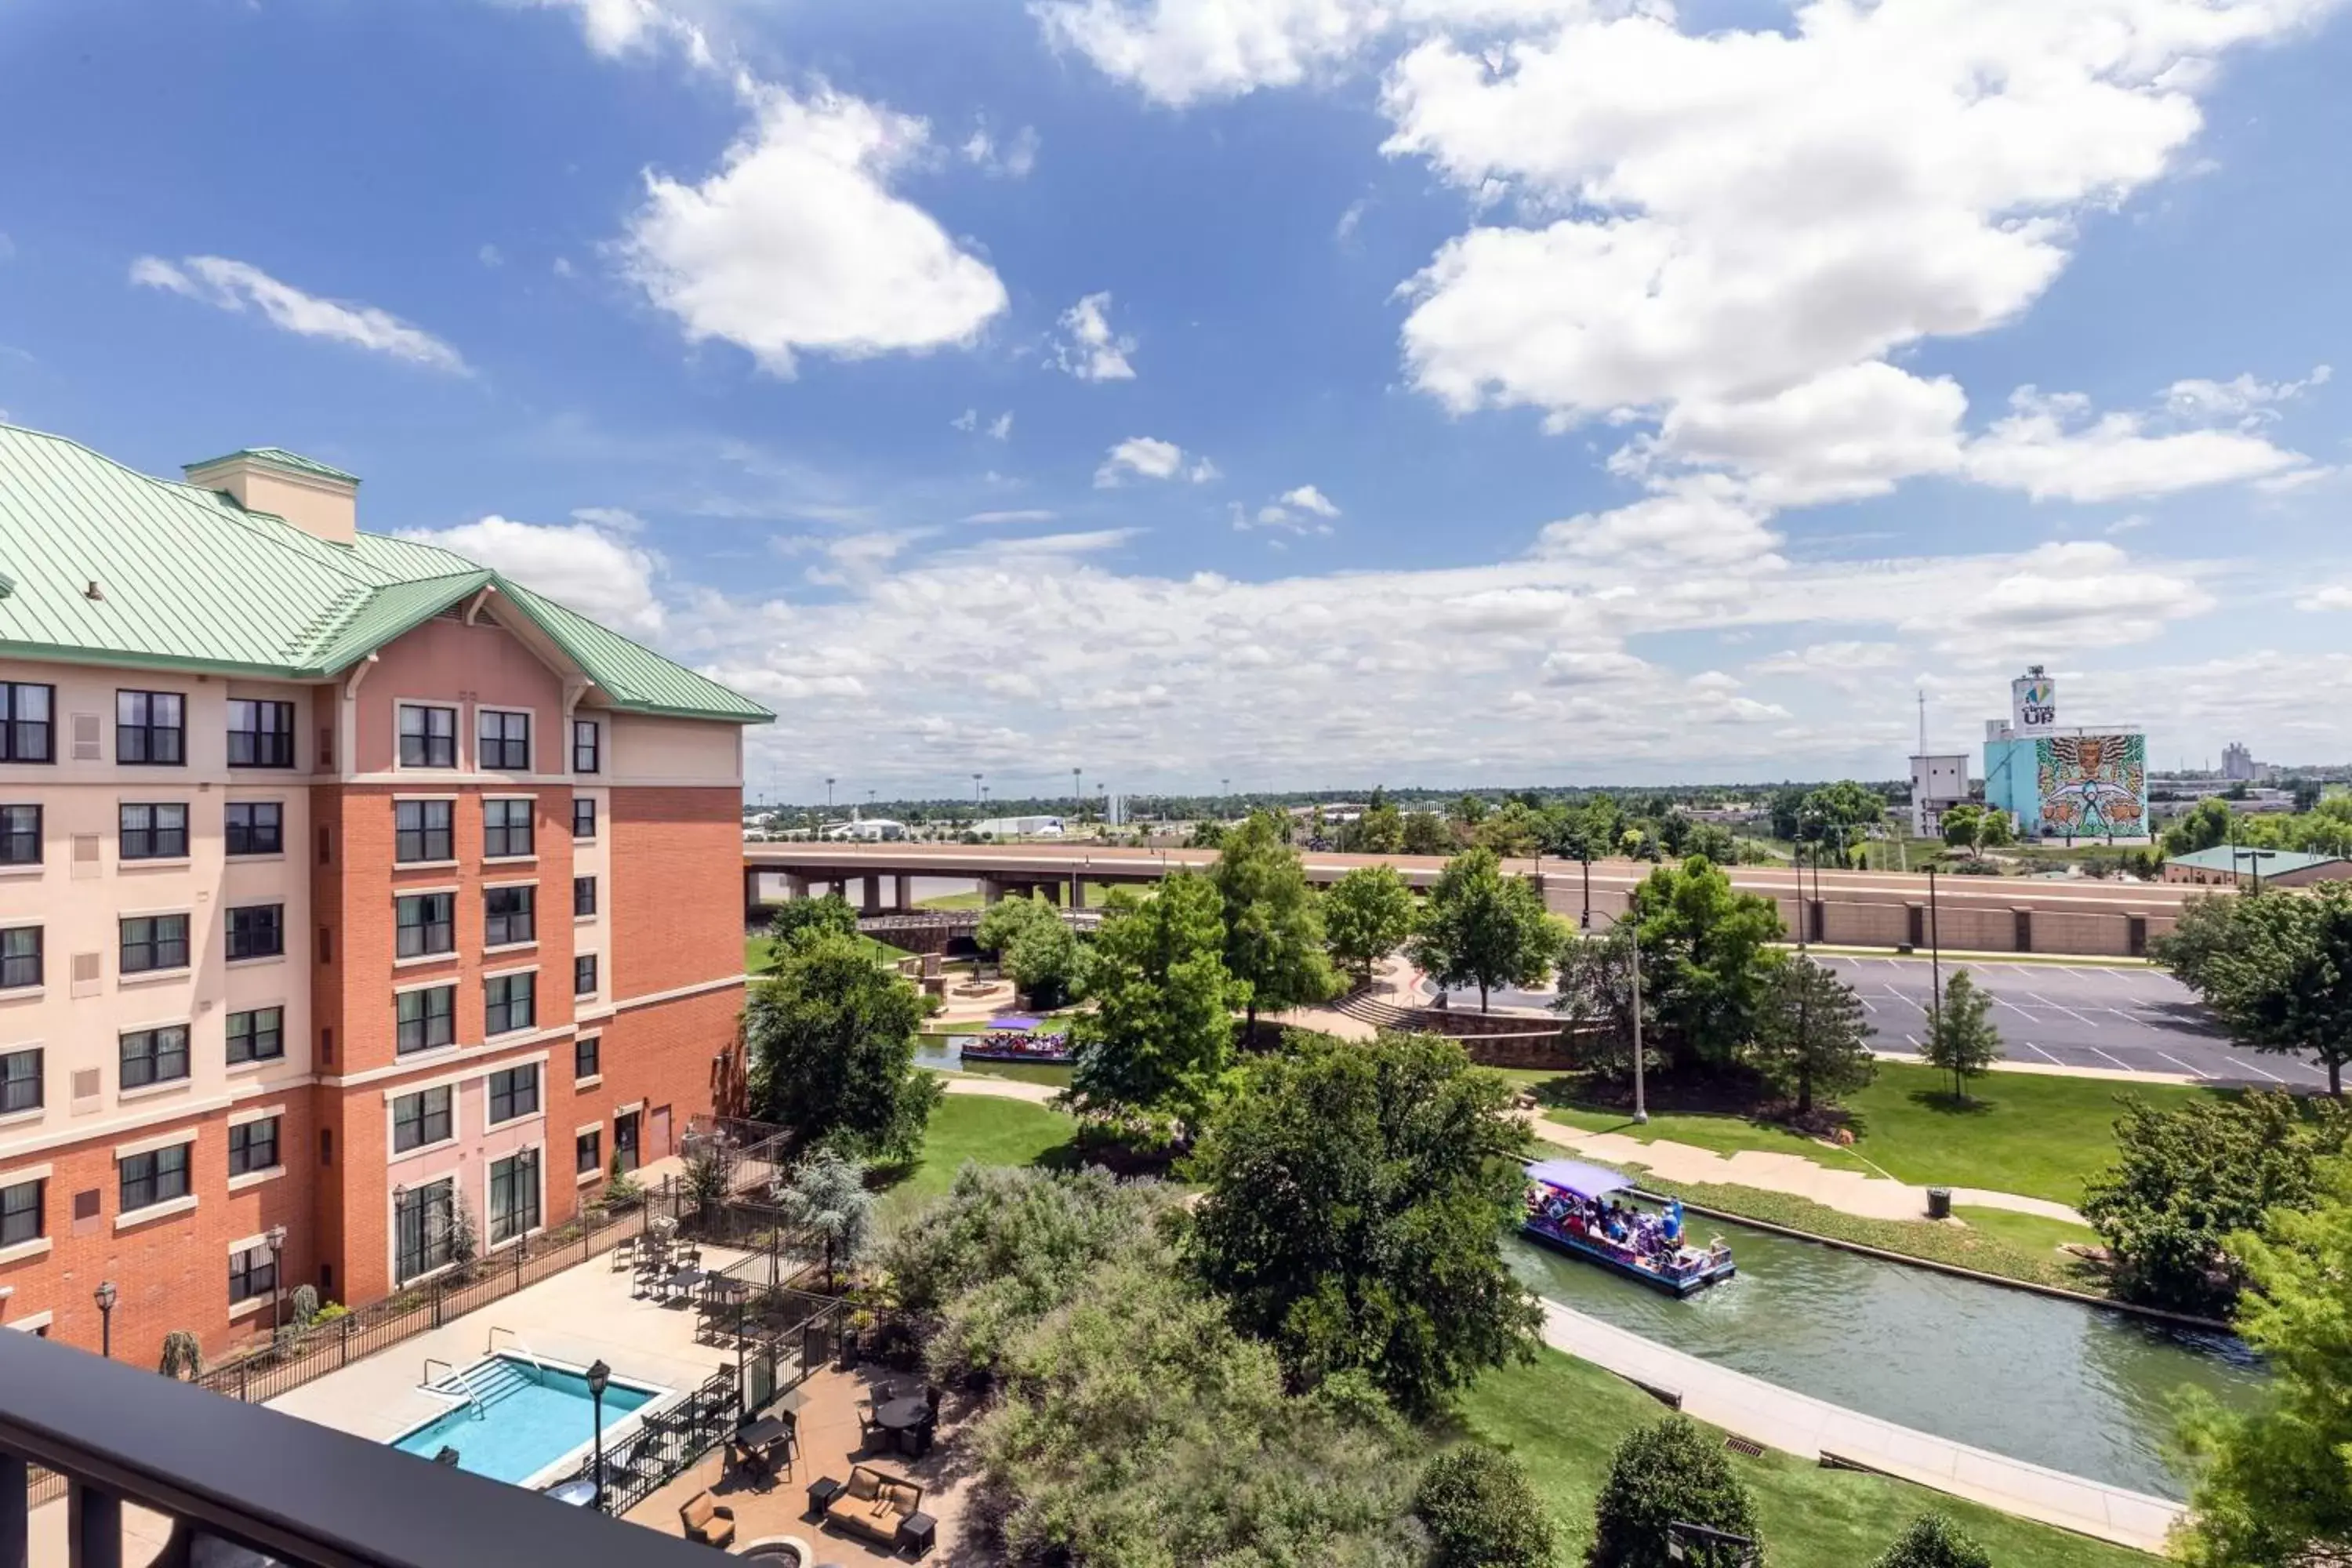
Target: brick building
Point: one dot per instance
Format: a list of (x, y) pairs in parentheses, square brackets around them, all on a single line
[(344, 884)]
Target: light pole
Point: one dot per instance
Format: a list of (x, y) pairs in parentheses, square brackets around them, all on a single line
[(1641, 1106), (828, 794), (742, 1408), (277, 1239), (106, 1295), (1934, 959), (599, 1375)]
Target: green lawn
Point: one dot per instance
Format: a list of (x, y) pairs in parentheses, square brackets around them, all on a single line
[(2026, 1232), (1563, 1418), (760, 952), (983, 1129), (2038, 1134)]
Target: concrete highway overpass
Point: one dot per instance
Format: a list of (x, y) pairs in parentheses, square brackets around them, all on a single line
[(1863, 909)]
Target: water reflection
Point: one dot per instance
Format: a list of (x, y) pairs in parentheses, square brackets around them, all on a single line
[(2077, 1389)]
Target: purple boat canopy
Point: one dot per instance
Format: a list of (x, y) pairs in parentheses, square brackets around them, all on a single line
[(1585, 1181), (1013, 1022)]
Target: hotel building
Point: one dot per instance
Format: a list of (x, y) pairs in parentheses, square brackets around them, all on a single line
[(345, 885)]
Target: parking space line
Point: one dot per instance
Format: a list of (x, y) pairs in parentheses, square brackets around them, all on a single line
[(1914, 1039), (2046, 1056), (2251, 1066), (2062, 1007), (2117, 1060), (1900, 998), (1866, 1004), (2184, 1067)]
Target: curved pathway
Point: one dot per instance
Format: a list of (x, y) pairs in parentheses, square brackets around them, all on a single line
[(1848, 1191)]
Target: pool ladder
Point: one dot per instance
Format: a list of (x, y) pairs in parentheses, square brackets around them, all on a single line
[(472, 1403), (491, 1347)]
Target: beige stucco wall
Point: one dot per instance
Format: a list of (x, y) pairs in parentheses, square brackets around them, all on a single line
[(79, 904), (649, 751)]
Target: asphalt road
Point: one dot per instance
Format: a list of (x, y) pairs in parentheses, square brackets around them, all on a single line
[(2076, 1015)]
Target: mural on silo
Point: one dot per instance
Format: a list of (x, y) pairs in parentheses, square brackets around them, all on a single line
[(2092, 785)]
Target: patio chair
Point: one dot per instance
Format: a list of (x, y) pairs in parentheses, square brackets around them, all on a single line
[(625, 1252), (868, 1430), (711, 1522)]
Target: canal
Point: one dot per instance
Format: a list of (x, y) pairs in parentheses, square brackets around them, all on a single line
[(2074, 1387)]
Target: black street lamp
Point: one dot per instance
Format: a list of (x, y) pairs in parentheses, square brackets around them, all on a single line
[(599, 1377), (106, 1295), (277, 1239), (742, 1384)]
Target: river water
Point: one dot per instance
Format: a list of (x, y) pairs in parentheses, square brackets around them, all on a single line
[(2072, 1387)]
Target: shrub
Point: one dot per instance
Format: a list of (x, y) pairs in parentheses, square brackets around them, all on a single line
[(1481, 1513), (1662, 1473), (183, 1355), (305, 1305), (1934, 1541)]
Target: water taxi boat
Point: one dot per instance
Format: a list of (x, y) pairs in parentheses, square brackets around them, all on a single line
[(1576, 1208), (1018, 1040)]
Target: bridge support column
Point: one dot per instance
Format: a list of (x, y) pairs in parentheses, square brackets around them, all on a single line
[(992, 891), (1053, 891), (752, 907), (838, 888), (795, 885), (870, 894), (903, 893)]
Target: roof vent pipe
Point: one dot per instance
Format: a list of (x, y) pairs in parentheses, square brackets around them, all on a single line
[(93, 591)]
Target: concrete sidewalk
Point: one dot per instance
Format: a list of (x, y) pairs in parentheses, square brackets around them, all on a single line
[(1815, 1429)]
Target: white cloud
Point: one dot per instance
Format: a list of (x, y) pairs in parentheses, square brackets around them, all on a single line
[(1846, 664), (967, 421), (2331, 596), (797, 244), (1307, 498), (2244, 397), (620, 520), (490, 255), (1012, 158), (1019, 514), (1001, 427), (2061, 589), (2050, 447), (1089, 348), (1701, 225), (1149, 458), (1699, 522), (1847, 434), (582, 567), (237, 285), (1345, 229), (1180, 51), (1587, 666), (617, 27), (997, 429)]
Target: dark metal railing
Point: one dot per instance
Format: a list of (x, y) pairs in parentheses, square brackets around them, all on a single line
[(665, 1443), (302, 1494)]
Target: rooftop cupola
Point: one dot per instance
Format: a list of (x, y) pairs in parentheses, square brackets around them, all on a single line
[(322, 501)]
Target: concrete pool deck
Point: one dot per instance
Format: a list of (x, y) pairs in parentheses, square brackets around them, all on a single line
[(1815, 1429)]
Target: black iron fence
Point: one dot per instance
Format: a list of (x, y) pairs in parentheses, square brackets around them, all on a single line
[(664, 1444)]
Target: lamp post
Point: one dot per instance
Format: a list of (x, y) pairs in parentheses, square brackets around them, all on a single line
[(1935, 958), (277, 1239), (106, 1295), (599, 1375), (1641, 1106), (743, 1384)]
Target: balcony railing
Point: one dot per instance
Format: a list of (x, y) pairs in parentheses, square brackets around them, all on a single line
[(273, 1485)]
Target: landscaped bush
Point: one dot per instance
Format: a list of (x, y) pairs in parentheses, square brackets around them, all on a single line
[(1665, 1473), (1934, 1541), (1481, 1513), (1005, 1247)]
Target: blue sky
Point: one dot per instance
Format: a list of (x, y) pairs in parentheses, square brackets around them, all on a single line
[(1295, 390)]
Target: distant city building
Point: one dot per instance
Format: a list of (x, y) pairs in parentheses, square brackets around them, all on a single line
[(1021, 827), (2089, 782), (1939, 781), (2239, 766), (864, 830)]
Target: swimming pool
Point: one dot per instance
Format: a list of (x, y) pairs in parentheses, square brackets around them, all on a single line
[(527, 1416)]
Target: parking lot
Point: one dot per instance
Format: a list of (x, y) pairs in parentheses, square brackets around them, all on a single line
[(2085, 1016)]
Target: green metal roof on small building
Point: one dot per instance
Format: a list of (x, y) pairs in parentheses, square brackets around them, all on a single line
[(108, 565), (2248, 860)]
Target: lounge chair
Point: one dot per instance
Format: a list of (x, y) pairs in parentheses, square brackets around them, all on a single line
[(709, 1523), (875, 1504)]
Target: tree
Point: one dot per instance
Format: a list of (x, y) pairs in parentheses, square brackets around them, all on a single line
[(1426, 833), (705, 1184), (1707, 957), (832, 1045), (2276, 970), (2185, 1180), (1380, 830), (1596, 994), (1812, 1037), (1274, 933), (1004, 921), (1036, 946), (1934, 1541), (1367, 915), (1845, 808), (1975, 828), (184, 1356), (2206, 929), (1662, 1474), (1484, 928), (2270, 1492), (1354, 1197), (1961, 1039), (1157, 1043), (799, 921), (828, 1195), (1512, 831), (1482, 1512)]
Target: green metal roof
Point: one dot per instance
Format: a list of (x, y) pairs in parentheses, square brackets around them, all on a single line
[(2251, 861), (108, 565), (277, 458)]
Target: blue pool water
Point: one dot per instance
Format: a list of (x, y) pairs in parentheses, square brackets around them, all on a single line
[(529, 1417)]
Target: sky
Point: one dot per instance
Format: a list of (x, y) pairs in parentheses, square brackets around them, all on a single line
[(1299, 393)]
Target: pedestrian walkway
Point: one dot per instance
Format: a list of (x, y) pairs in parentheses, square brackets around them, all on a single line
[(998, 1087), (1815, 1429), (1848, 1191)]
